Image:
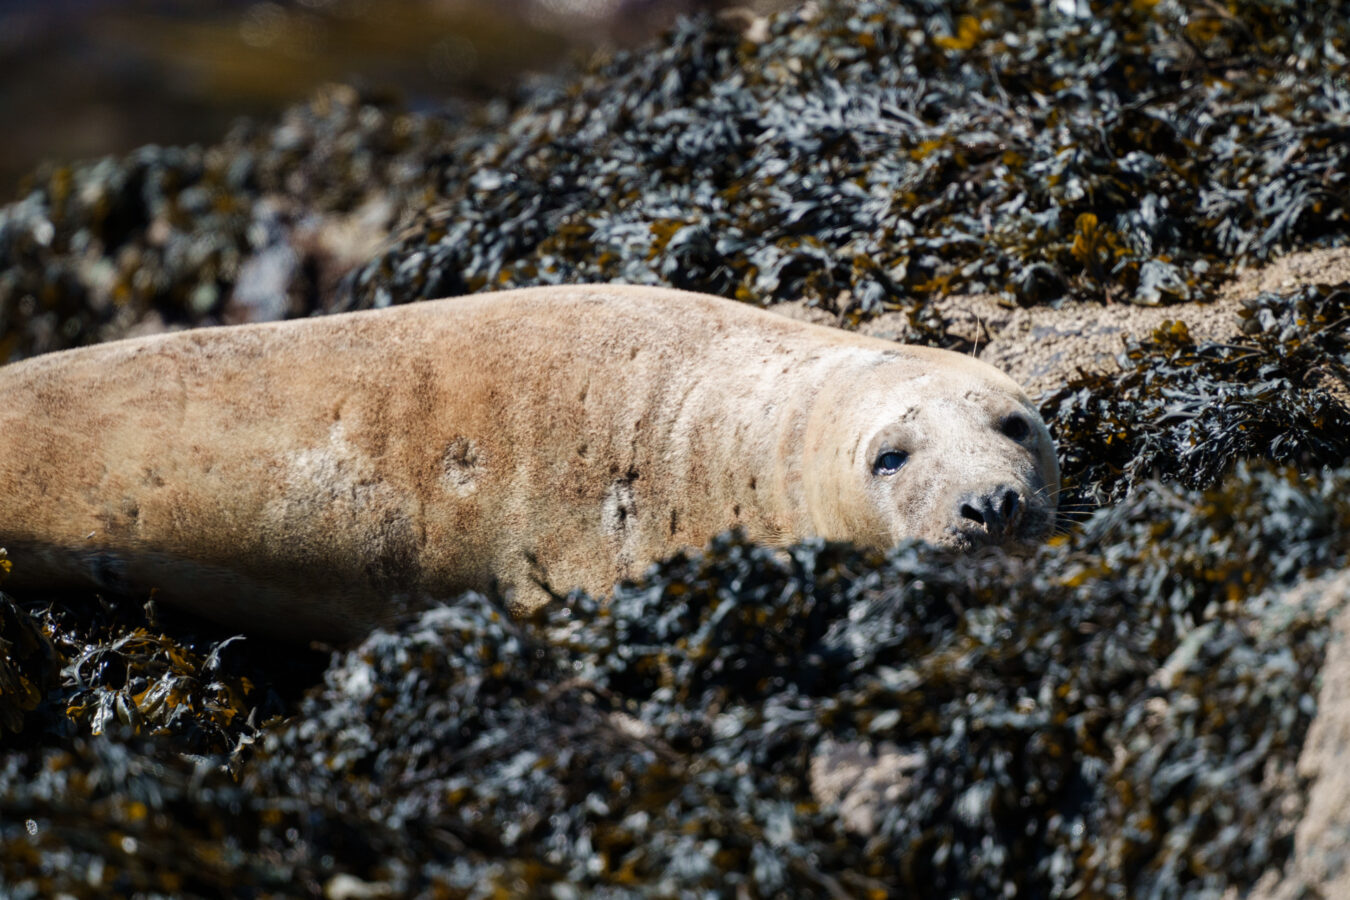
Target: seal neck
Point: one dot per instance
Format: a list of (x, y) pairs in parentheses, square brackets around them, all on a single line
[(835, 500)]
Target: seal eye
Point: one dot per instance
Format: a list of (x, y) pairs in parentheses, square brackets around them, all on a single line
[(889, 463), (1016, 428)]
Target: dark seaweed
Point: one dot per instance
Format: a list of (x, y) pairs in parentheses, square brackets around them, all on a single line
[(871, 153), (1187, 411), (1062, 723), (164, 235), (864, 154)]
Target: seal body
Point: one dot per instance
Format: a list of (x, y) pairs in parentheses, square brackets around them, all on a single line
[(310, 477)]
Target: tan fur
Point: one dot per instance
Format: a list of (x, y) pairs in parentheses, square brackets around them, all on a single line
[(309, 477)]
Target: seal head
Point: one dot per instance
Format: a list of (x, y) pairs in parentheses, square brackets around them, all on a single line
[(930, 445)]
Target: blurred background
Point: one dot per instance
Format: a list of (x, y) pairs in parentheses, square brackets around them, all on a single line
[(85, 78)]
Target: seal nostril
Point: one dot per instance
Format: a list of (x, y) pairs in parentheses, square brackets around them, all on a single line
[(970, 512), (996, 511)]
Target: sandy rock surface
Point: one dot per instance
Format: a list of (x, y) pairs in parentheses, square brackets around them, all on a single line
[(1320, 863), (1042, 346)]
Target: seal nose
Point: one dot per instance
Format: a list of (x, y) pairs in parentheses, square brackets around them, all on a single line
[(998, 510)]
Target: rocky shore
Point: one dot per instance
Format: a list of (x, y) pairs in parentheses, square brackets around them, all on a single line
[(1140, 211)]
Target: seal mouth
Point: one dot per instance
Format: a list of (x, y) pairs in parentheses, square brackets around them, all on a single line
[(1030, 529), (969, 538)]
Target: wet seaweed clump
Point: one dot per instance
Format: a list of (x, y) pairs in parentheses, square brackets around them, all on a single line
[(861, 154), (1187, 411), (260, 226), (28, 663), (1120, 715), (120, 666), (116, 779)]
